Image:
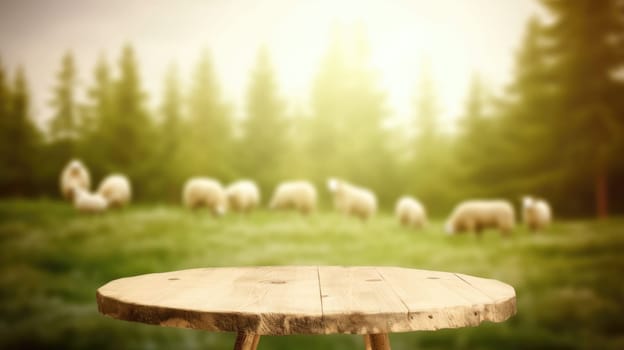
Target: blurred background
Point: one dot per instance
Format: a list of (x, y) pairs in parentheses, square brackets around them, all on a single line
[(444, 100)]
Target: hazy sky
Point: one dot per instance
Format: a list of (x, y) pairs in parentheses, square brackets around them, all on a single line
[(455, 36)]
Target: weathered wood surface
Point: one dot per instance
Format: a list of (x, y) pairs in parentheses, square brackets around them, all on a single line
[(308, 299), (359, 296), (246, 341), (376, 342)]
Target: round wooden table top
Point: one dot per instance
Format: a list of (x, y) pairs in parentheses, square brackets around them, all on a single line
[(282, 300)]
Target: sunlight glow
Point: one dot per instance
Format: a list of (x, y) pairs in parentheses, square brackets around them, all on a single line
[(454, 38)]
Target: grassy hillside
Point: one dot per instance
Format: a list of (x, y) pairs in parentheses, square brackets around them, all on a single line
[(569, 281)]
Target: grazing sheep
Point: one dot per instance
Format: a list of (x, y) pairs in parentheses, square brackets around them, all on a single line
[(74, 176), (116, 189), (86, 202), (298, 195), (205, 192), (352, 200), (410, 212), (476, 215), (536, 213), (243, 196)]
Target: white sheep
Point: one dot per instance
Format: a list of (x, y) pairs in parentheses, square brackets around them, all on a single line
[(87, 202), (116, 189), (299, 195), (243, 196), (410, 212), (74, 176), (352, 200), (476, 215), (205, 192), (536, 213)]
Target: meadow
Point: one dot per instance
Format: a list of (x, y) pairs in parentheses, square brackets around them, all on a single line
[(569, 280)]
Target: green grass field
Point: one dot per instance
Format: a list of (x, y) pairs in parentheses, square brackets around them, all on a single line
[(569, 280)]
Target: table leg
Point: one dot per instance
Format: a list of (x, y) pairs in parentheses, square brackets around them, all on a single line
[(246, 341), (255, 342), (377, 341)]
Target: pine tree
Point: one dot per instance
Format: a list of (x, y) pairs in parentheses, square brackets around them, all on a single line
[(294, 154), (95, 120), (426, 171), (64, 123), (5, 132), (5, 95), (126, 135), (427, 112), (100, 109), (130, 121), (327, 125), (346, 134), (475, 146), (170, 136), (528, 153), (208, 142), (587, 48), (23, 140), (265, 129), (64, 128)]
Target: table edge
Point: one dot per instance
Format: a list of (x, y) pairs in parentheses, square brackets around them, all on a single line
[(290, 324)]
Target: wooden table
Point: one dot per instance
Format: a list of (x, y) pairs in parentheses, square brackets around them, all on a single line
[(281, 300)]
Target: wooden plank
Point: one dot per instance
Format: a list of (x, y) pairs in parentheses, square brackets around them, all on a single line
[(443, 300), (496, 290), (289, 299), (501, 306), (160, 298), (259, 300), (358, 300)]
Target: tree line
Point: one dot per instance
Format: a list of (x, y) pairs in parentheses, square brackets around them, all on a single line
[(556, 131)]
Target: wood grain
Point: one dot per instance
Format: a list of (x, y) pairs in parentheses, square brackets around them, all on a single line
[(259, 300), (353, 296), (367, 342), (246, 341), (377, 341), (442, 300), (308, 300)]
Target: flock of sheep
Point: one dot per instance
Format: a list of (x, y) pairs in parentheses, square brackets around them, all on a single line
[(113, 191), (244, 196)]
